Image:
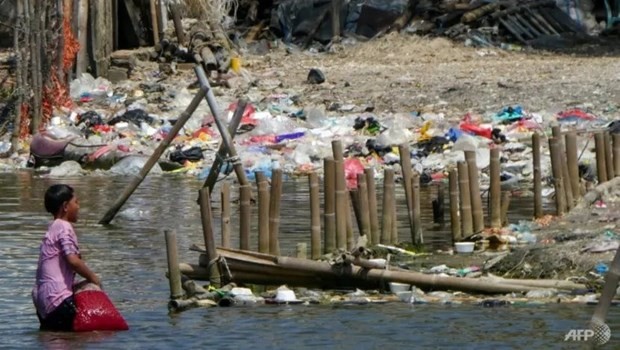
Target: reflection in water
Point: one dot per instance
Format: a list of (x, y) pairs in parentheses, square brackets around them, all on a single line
[(130, 257)]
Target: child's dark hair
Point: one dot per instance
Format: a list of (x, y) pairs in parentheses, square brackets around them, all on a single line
[(56, 196)]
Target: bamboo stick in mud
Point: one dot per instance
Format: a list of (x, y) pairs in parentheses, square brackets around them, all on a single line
[(209, 237), (417, 209), (245, 216), (373, 212), (616, 153), (556, 169), (315, 216), (467, 228), (609, 158), (538, 210), (275, 198), (570, 139), (506, 195), (362, 188), (405, 164), (329, 197), (601, 166), (225, 217), (341, 199), (263, 212), (474, 191), (349, 221), (495, 190), (388, 198), (568, 191), (455, 219)]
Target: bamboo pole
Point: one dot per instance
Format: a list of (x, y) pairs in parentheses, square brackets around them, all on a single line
[(616, 153), (154, 21), (329, 217), (505, 206), (556, 168), (20, 83), (388, 198), (609, 159), (455, 220), (35, 65), (372, 206), (405, 164), (335, 20), (245, 216), (474, 190), (566, 183), (82, 56), (174, 274), (438, 206), (538, 209), (349, 221), (394, 235), (275, 198), (354, 199), (362, 188), (209, 237), (570, 139), (175, 10), (131, 187), (612, 277), (222, 150), (495, 191), (225, 217), (315, 216), (341, 204), (467, 228), (263, 212), (601, 167), (417, 209)]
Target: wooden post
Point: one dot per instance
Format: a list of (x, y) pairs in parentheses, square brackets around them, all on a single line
[(505, 205), (354, 199), (263, 212), (609, 159), (568, 191), (372, 206), (601, 167), (394, 235), (245, 216), (174, 273), (616, 153), (341, 199), (570, 139), (474, 191), (467, 228), (209, 238), (405, 164), (175, 10), (388, 198), (362, 188), (102, 40), (335, 20), (495, 190), (417, 209), (538, 210), (131, 187), (612, 277), (315, 216), (275, 199), (225, 217), (455, 220), (154, 21), (556, 168), (20, 64), (350, 234), (302, 251), (329, 197), (81, 65)]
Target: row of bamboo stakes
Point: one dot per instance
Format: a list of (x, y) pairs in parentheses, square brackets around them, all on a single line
[(465, 198)]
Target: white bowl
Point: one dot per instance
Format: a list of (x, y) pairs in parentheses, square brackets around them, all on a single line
[(396, 287), (464, 247)]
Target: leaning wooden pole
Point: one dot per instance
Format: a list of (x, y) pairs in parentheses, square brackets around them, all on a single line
[(388, 198), (601, 166), (263, 212), (174, 273), (209, 237), (570, 139), (341, 204), (474, 190), (455, 219), (329, 216), (405, 164), (275, 198), (225, 217), (467, 228), (538, 209), (315, 216), (175, 10), (495, 190), (131, 187), (612, 277), (372, 205)]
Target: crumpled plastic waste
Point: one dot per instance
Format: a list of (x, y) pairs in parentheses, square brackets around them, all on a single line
[(352, 167), (509, 114), (605, 242), (182, 154), (575, 115)]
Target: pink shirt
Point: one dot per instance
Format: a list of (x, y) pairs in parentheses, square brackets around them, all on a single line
[(54, 274)]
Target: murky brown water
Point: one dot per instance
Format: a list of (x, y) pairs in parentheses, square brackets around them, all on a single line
[(130, 257)]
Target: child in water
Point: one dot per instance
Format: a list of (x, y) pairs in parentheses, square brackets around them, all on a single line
[(59, 260)]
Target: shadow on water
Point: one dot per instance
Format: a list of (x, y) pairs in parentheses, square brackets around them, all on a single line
[(130, 257)]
